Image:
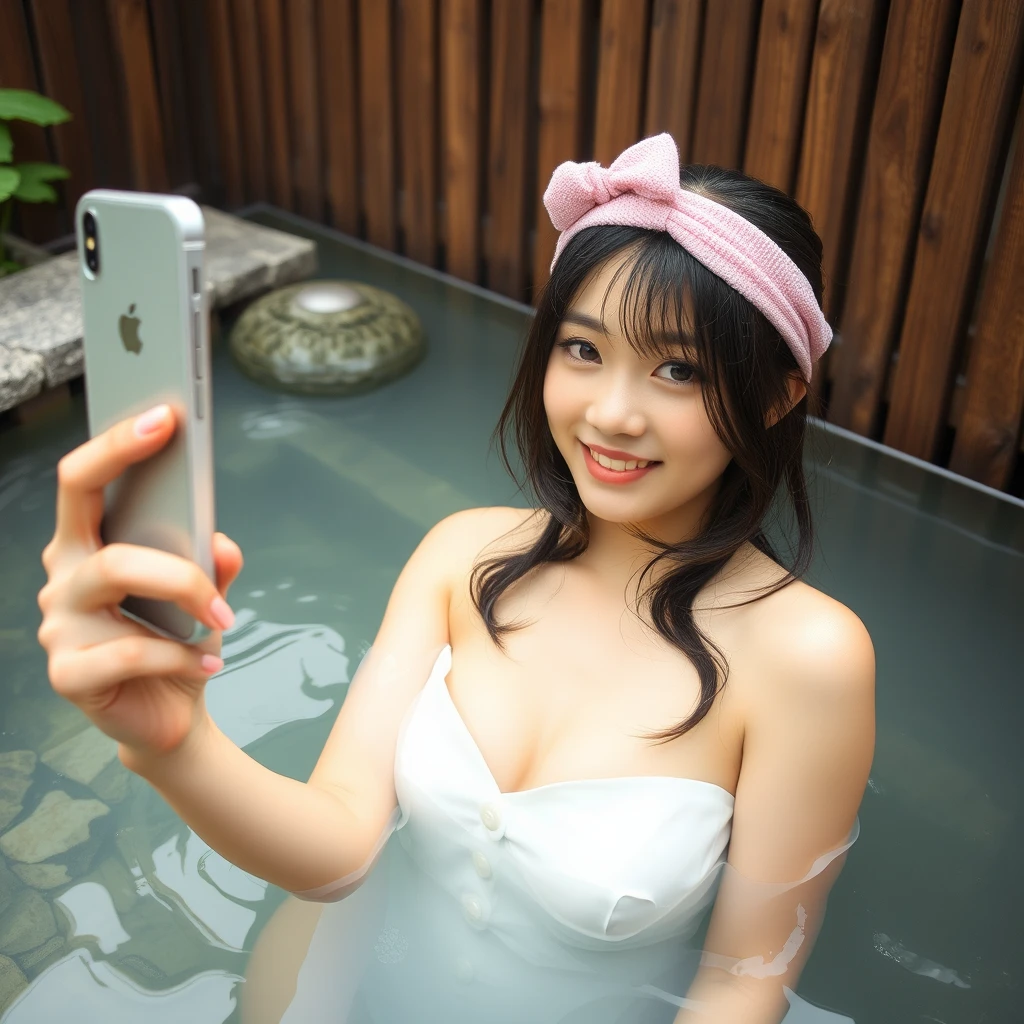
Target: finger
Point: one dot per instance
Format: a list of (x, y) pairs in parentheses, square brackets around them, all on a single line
[(84, 472), (227, 561), (75, 674), (109, 575)]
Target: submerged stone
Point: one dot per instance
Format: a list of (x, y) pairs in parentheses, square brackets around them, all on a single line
[(112, 784), (16, 768), (26, 924), (56, 826), (12, 981), (114, 876), (9, 886), (83, 756), (327, 337), (43, 876), (36, 960)]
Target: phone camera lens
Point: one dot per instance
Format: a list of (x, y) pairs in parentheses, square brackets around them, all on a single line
[(92, 243)]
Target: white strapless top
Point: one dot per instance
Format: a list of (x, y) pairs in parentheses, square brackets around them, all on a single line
[(624, 861), (575, 901)]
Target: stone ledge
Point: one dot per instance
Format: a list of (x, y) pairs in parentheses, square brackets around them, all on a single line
[(41, 307)]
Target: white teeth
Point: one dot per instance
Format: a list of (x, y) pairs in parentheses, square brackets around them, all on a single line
[(617, 464)]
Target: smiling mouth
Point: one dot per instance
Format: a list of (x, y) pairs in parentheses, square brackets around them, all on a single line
[(619, 465)]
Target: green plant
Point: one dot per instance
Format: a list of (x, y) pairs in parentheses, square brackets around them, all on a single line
[(27, 182)]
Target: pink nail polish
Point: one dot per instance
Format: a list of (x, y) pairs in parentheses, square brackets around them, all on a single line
[(211, 663), (151, 420), (222, 614)]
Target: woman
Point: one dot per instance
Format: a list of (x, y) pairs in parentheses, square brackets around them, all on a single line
[(586, 720)]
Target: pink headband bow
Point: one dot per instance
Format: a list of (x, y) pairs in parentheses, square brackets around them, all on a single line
[(641, 189)]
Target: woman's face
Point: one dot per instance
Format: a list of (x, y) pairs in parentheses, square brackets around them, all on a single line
[(600, 394)]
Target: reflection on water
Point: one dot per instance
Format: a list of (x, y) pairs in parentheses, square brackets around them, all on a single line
[(109, 951), (284, 419), (271, 674), (118, 912), (915, 963), (83, 989)]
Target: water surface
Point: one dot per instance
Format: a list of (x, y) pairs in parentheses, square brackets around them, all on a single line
[(327, 498)]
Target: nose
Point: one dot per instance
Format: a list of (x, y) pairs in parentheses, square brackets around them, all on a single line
[(617, 409)]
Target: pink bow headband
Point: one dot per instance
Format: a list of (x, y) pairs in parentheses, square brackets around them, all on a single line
[(641, 189)]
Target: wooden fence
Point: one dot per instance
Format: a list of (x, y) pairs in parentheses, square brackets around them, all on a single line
[(430, 127)]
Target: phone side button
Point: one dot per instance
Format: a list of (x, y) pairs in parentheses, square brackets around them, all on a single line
[(197, 346), (200, 397)]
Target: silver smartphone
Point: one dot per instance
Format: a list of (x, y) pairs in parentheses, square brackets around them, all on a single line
[(146, 343)]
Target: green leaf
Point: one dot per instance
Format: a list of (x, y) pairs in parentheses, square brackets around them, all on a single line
[(35, 192), (33, 186), (9, 180), (9, 267), (42, 172), (6, 145), (22, 105)]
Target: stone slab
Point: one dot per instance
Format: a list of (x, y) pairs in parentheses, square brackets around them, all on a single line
[(41, 307), (21, 376)]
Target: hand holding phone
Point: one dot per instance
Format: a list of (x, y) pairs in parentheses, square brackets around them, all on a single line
[(146, 344), (141, 689)]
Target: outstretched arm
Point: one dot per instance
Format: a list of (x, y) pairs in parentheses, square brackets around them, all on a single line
[(302, 836)]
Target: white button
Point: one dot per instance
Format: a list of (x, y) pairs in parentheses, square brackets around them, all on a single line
[(482, 864), (473, 908), (491, 817), (464, 970)]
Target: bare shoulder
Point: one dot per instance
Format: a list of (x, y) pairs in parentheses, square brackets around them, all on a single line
[(463, 537), (811, 644)]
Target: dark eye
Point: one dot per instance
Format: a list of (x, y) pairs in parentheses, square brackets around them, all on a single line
[(584, 346), (679, 373)]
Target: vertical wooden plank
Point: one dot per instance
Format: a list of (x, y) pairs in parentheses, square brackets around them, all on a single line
[(338, 63), (170, 69), (837, 97), (130, 22), (986, 440), (560, 98), (62, 81), (103, 93), (278, 139), (416, 28), (780, 88), (986, 57), (726, 67), (911, 83), (511, 32), (222, 59), (304, 107), (672, 66), (620, 77), (461, 25), (249, 79), (200, 96), (38, 221), (376, 124)]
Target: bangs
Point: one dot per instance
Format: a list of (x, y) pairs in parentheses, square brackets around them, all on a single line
[(659, 311)]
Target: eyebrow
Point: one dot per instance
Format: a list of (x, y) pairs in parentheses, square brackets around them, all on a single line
[(592, 323)]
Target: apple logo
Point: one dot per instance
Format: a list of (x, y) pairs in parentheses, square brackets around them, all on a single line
[(128, 327)]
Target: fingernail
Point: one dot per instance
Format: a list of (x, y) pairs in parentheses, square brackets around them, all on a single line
[(222, 614), (211, 663), (151, 420)]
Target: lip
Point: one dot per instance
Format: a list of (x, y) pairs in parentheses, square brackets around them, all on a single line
[(614, 453), (613, 476)]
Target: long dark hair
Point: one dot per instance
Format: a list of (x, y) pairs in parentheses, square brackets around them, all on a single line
[(745, 366)]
